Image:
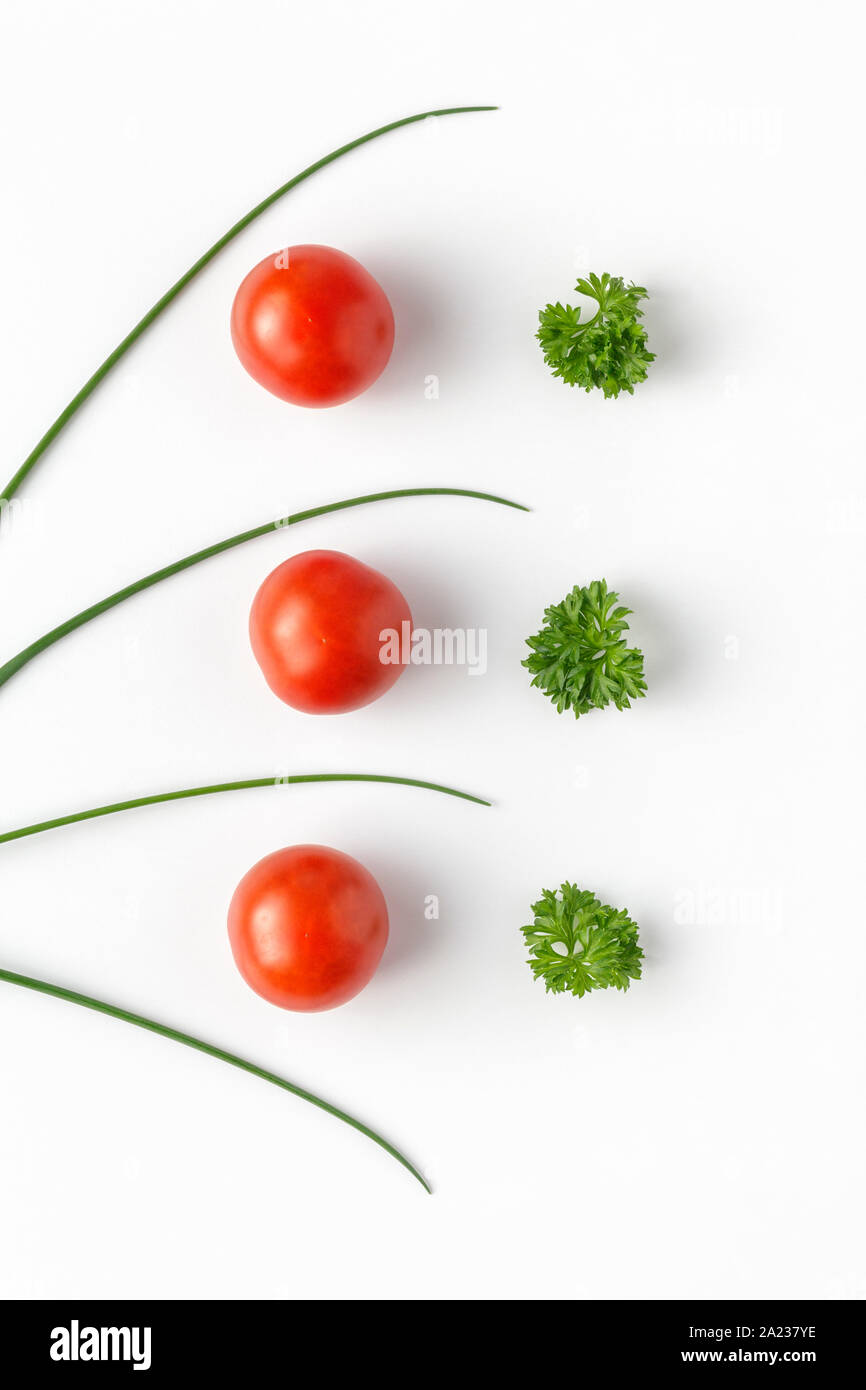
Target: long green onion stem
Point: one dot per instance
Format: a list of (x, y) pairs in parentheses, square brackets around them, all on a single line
[(16, 662), (252, 782), (71, 997), (101, 372)]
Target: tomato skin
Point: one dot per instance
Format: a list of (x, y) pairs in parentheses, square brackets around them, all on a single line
[(307, 927), (312, 326), (315, 628)]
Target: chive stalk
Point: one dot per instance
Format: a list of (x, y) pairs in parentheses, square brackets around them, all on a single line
[(139, 1021), (161, 304), (16, 663), (252, 782)]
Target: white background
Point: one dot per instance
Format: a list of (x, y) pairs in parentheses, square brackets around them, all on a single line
[(701, 1135)]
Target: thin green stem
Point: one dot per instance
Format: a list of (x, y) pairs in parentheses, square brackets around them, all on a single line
[(582, 327), (17, 662), (252, 782), (111, 1010), (91, 384)]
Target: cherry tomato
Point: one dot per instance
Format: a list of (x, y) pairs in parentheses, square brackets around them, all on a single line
[(315, 629), (307, 927), (312, 325)]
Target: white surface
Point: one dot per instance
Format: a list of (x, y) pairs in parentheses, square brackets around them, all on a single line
[(701, 1135)]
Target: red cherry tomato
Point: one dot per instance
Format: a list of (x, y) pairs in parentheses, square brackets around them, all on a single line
[(307, 927), (312, 325), (315, 629)]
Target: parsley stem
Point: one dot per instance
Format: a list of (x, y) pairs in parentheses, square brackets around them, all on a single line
[(123, 347), (138, 1021), (15, 663), (252, 782)]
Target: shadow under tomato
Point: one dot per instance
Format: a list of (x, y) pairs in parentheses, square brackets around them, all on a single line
[(410, 934), (415, 323)]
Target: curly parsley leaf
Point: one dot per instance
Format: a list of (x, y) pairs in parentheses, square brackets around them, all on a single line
[(577, 943), (580, 659), (607, 351)]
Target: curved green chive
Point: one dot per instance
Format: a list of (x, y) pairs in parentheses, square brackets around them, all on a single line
[(17, 662), (252, 782), (152, 314), (138, 1021)]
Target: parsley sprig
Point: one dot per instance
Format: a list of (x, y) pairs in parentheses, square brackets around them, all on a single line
[(597, 945), (607, 351), (580, 659)]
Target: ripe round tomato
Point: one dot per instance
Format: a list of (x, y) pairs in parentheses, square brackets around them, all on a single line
[(315, 629), (312, 325), (307, 927)]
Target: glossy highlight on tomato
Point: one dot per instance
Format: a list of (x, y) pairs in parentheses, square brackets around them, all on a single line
[(316, 629), (312, 326), (307, 927)]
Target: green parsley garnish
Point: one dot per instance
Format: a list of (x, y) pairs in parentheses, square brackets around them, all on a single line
[(580, 659), (609, 350), (597, 944)]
